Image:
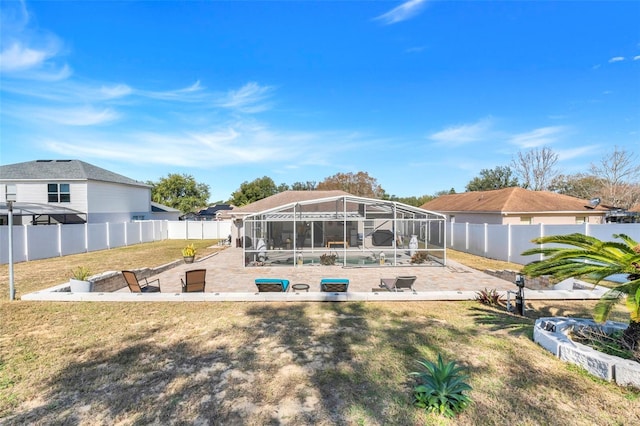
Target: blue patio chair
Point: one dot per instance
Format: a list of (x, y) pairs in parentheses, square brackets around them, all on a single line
[(272, 285), (339, 285)]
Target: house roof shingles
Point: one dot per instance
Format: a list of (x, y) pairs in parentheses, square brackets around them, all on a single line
[(508, 200), (62, 170), (283, 198)]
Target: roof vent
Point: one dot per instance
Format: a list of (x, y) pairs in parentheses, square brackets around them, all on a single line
[(593, 203), (43, 161)]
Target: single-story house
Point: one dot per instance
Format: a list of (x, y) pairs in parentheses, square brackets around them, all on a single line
[(517, 206), (215, 212), (72, 191)]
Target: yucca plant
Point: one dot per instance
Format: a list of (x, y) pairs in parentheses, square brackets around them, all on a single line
[(441, 388), (597, 259)]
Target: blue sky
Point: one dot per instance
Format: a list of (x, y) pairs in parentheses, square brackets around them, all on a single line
[(422, 95)]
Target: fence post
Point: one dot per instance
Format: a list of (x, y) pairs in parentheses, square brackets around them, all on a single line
[(59, 226), (26, 242), (486, 238), (509, 243), (466, 236), (541, 235)]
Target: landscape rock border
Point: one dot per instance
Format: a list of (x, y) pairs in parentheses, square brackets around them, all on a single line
[(552, 333)]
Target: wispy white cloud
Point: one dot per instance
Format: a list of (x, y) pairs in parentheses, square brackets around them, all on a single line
[(250, 98), (581, 151), (238, 143), (636, 58), (18, 57), (464, 133), (538, 137), (84, 116), (194, 92), (415, 49), (401, 13), (115, 91), (616, 59)]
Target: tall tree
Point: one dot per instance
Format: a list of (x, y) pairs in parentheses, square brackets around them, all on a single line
[(255, 190), (359, 184), (500, 177), (181, 192), (619, 172), (304, 186), (411, 201), (536, 168), (579, 185)]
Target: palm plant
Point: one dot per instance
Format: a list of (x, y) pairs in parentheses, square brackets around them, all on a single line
[(598, 259)]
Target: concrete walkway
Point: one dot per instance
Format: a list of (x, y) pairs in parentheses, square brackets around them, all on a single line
[(228, 280)]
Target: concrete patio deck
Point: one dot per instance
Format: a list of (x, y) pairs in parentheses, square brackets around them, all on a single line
[(228, 280)]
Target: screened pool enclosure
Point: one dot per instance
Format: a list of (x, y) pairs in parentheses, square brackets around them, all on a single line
[(347, 231)]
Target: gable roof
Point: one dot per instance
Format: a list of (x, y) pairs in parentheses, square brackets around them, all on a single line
[(509, 200), (285, 197), (213, 210), (62, 170)]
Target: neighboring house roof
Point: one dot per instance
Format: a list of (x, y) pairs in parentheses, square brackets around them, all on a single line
[(212, 210), (158, 208), (62, 170), (509, 200), (282, 198)]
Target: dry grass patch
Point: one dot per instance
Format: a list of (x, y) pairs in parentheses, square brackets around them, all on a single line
[(40, 274), (281, 363)]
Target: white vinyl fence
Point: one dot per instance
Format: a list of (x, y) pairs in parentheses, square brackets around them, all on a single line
[(42, 242), (502, 242), (507, 242)]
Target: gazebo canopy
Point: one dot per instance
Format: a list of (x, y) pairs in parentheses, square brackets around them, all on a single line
[(42, 214)]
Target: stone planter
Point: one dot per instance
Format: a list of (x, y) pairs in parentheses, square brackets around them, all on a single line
[(188, 259), (80, 286)]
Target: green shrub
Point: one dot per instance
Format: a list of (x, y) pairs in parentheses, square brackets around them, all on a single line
[(81, 273), (419, 257), (328, 259), (441, 388)]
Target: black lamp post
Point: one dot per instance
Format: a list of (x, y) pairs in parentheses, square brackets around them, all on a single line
[(520, 294)]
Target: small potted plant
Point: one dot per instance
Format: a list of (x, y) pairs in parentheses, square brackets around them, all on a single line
[(79, 281), (189, 253)]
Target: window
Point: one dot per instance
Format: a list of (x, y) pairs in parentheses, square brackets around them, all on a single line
[(137, 217), (526, 220), (581, 220), (58, 193)]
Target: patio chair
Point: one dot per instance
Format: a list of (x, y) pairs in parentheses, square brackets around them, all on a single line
[(194, 281), (137, 287), (339, 285), (398, 283), (272, 285)]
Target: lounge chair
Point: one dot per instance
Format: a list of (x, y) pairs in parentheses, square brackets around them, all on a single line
[(398, 283), (276, 285), (194, 281), (334, 284), (137, 287)]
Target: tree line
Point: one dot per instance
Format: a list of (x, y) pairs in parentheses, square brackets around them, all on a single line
[(615, 180)]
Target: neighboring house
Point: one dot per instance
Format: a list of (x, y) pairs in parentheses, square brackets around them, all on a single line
[(277, 200), (516, 206), (162, 212), (215, 212), (72, 191)]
